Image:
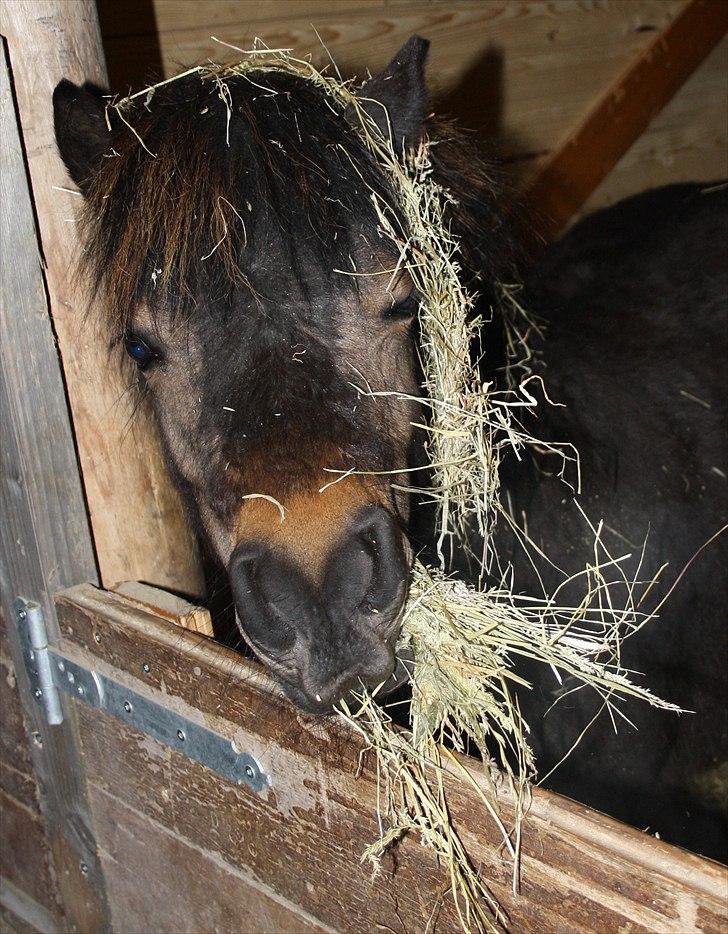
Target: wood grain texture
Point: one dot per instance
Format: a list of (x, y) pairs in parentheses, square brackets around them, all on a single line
[(167, 605), (301, 838), (582, 161), (25, 856), (27, 886), (687, 140), (10, 923), (45, 544), (43, 470), (139, 527), (178, 900), (20, 914), (522, 74), (17, 778)]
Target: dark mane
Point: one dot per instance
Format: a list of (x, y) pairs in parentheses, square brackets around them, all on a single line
[(191, 219), (274, 172)]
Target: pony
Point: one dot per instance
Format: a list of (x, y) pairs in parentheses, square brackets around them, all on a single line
[(235, 239)]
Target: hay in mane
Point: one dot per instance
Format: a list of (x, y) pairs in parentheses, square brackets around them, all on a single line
[(463, 639)]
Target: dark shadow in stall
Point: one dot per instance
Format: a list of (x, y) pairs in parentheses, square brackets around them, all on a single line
[(130, 38)]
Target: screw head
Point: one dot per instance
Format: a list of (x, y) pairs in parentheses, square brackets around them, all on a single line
[(61, 665), (22, 614), (146, 667), (181, 735), (249, 771), (37, 693), (37, 738), (81, 690), (128, 706), (83, 867)]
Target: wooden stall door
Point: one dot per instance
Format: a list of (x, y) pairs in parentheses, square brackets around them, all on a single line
[(267, 835)]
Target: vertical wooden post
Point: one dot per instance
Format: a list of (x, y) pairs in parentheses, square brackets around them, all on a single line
[(138, 524), (45, 542)]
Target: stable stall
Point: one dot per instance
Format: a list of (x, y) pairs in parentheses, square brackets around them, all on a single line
[(153, 779)]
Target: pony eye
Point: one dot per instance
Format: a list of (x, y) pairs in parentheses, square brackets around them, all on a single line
[(140, 352), (404, 310)]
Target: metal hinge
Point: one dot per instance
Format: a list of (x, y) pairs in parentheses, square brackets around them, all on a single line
[(50, 673), (34, 639)]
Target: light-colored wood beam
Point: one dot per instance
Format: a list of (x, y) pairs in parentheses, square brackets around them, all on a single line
[(138, 524), (588, 154)]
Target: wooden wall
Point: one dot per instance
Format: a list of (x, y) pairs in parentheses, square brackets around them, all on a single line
[(521, 73), (27, 884)]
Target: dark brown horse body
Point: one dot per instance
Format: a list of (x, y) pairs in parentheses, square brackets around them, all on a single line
[(635, 300), (247, 276)]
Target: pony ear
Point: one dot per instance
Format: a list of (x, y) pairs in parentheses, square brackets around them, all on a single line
[(82, 135), (396, 98)]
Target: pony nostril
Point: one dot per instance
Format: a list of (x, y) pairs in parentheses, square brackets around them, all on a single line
[(367, 577), (262, 590)]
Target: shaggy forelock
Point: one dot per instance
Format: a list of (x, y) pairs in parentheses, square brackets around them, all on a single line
[(214, 196)]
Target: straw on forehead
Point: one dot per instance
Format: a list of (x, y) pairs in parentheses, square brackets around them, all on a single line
[(217, 175)]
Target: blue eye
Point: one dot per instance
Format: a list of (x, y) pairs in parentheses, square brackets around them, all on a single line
[(140, 353)]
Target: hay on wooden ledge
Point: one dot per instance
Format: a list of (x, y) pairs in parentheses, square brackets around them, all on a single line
[(463, 639)]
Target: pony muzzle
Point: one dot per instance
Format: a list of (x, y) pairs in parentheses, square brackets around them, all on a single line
[(330, 630)]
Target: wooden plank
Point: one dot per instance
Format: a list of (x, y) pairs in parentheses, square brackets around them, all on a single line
[(10, 923), (45, 543), (520, 73), (45, 469), (302, 841), (177, 15), (120, 456), (176, 609), (17, 778), (687, 140), (587, 156), (179, 901), (301, 837), (20, 914), (25, 856)]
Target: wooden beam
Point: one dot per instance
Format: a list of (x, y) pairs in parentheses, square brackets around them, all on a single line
[(297, 839), (571, 173), (177, 610), (45, 544), (137, 519)]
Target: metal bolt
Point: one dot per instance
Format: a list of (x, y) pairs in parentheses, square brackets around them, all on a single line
[(81, 690), (146, 667), (37, 693), (181, 735), (249, 771), (21, 615), (83, 867), (61, 666), (71, 677), (128, 706)]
